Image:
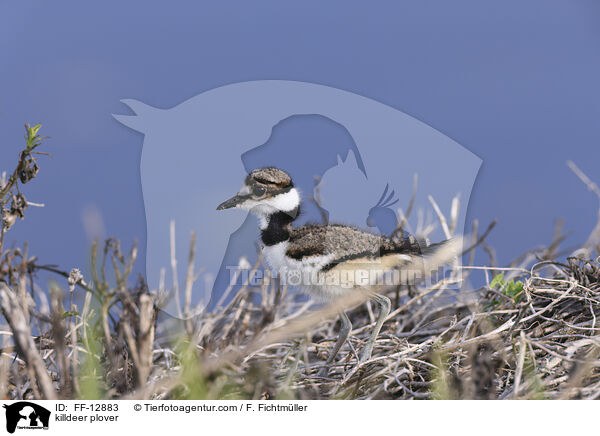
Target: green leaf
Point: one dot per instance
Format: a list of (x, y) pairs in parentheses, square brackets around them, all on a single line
[(514, 290), (498, 281), (32, 138), (33, 131)]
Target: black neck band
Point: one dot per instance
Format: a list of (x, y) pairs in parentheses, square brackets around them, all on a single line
[(278, 229)]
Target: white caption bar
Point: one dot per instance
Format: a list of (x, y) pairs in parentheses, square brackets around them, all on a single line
[(241, 418)]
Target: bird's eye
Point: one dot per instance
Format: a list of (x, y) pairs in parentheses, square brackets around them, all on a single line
[(259, 191)]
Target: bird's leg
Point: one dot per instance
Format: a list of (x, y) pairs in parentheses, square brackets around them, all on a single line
[(384, 310), (343, 335)]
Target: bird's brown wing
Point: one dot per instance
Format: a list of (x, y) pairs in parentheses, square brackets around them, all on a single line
[(343, 241)]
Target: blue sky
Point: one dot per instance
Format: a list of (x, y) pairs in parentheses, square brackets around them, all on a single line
[(514, 82)]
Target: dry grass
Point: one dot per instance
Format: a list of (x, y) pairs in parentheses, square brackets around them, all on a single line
[(535, 340), (530, 332)]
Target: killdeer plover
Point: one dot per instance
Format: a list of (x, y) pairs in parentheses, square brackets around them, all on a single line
[(332, 259)]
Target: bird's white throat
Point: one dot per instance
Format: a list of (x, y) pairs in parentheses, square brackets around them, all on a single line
[(287, 202)]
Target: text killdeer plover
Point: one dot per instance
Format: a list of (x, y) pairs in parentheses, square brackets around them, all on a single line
[(329, 260)]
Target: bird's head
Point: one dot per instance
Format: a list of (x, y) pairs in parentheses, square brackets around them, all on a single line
[(265, 191)]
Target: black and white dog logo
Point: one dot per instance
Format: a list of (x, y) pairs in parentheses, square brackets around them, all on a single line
[(26, 415)]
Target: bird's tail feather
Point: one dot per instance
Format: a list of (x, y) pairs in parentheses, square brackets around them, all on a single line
[(441, 253), (404, 268), (415, 268)]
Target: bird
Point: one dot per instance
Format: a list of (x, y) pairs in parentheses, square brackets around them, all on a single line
[(330, 259)]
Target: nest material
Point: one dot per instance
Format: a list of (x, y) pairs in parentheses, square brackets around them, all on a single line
[(541, 342), (531, 334)]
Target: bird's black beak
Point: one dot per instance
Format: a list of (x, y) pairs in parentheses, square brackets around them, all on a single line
[(232, 202)]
